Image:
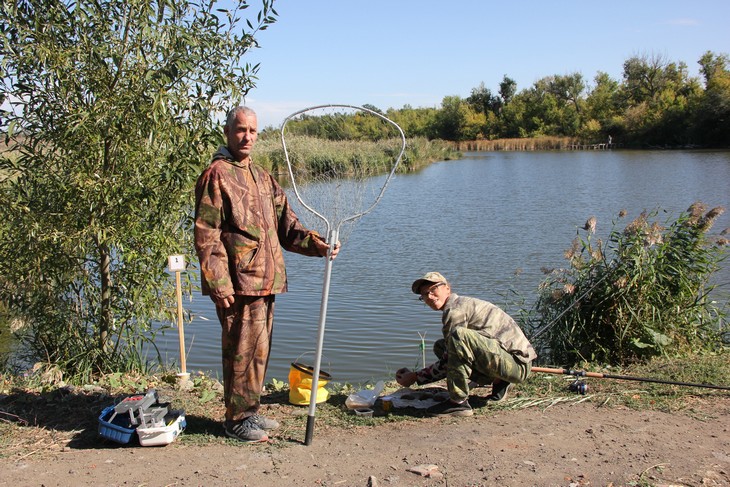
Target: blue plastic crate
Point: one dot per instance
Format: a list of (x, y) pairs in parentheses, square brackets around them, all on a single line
[(115, 427)]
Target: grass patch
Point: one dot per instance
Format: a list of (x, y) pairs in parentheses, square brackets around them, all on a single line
[(37, 417)]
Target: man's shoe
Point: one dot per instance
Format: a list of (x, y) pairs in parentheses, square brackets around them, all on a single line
[(263, 422), (246, 430), (499, 390), (450, 408)]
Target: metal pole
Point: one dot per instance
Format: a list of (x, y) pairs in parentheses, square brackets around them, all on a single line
[(581, 373), (332, 240)]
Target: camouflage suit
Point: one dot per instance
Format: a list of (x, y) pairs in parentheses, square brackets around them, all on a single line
[(481, 343), (242, 221)]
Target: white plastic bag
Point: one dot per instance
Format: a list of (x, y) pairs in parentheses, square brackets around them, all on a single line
[(365, 398)]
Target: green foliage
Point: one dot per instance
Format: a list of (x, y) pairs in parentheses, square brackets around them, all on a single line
[(660, 98), (340, 156), (277, 385), (415, 122), (644, 293), (656, 104), (450, 121), (346, 143), (207, 395), (482, 100), (712, 116), (507, 89), (110, 106)]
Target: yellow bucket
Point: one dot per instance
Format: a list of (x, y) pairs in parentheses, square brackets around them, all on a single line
[(300, 384)]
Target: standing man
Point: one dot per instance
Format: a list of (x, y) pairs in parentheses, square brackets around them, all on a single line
[(481, 343), (242, 222)]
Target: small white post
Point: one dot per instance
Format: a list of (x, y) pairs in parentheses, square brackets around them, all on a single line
[(176, 264)]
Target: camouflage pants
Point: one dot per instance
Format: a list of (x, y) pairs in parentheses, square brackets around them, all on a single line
[(246, 344), (474, 357)]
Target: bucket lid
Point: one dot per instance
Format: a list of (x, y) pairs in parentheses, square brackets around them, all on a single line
[(309, 370)]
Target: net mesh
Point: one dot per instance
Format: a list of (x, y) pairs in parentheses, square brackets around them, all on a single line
[(340, 160)]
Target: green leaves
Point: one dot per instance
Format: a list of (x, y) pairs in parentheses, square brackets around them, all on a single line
[(643, 293), (112, 110)]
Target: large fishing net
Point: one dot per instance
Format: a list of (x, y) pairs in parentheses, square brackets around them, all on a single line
[(340, 159)]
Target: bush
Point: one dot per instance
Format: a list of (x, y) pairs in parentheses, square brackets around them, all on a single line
[(642, 294)]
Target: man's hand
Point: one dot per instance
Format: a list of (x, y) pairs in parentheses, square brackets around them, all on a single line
[(323, 248), (225, 302), (405, 377)]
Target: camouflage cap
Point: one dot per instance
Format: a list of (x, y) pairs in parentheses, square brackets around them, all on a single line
[(432, 277)]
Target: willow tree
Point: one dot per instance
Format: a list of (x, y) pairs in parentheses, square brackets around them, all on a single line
[(110, 109)]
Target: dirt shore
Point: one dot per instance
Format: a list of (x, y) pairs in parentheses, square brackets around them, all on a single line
[(576, 444)]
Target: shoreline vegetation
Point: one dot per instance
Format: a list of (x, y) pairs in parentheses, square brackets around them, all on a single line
[(40, 414), (419, 153), (516, 144)]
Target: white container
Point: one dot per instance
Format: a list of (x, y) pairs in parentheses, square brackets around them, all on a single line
[(364, 412), (163, 435)]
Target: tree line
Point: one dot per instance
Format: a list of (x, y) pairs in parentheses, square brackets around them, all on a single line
[(655, 104)]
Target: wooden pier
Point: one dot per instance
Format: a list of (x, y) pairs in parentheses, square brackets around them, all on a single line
[(603, 146)]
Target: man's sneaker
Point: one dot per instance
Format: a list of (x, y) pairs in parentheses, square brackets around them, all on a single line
[(263, 422), (499, 390), (450, 408), (245, 430)]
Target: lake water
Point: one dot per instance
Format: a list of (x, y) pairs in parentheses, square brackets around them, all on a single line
[(488, 222)]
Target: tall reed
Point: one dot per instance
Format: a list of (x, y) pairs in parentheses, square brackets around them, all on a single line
[(521, 144), (643, 293), (340, 156)]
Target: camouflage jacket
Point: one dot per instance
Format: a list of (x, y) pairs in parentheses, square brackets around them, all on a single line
[(486, 319), (242, 221)]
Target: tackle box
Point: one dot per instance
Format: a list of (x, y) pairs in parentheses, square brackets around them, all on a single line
[(163, 435), (114, 427), (154, 423)]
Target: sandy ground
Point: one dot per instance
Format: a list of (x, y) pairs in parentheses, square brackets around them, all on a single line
[(574, 444)]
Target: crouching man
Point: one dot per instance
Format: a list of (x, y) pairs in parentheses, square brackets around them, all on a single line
[(481, 344)]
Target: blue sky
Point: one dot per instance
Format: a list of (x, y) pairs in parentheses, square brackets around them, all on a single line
[(390, 53)]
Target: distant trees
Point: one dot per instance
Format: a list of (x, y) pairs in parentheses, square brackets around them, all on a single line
[(604, 106), (415, 122), (507, 89), (712, 116), (482, 100), (660, 97), (656, 103)]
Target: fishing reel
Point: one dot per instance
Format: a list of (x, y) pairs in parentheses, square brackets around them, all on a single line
[(578, 386)]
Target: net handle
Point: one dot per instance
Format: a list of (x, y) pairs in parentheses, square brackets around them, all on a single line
[(385, 184)]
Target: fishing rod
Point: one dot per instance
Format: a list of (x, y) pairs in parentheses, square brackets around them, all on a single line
[(598, 375)]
